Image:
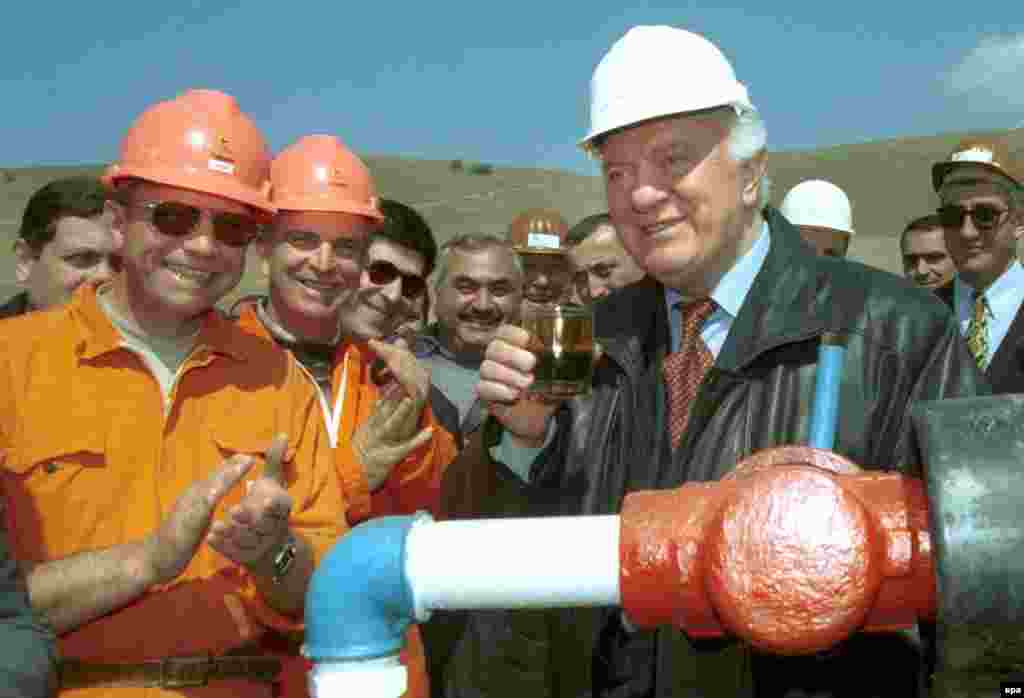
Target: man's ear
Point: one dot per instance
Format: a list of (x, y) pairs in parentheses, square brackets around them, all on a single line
[(25, 259), (753, 171), (263, 247), (114, 212)]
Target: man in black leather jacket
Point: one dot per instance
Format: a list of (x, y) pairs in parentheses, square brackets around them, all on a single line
[(687, 191)]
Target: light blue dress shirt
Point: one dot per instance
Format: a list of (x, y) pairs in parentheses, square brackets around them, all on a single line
[(1003, 298), (729, 295)]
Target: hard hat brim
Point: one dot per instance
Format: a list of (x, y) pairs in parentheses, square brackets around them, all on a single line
[(328, 206), (941, 169), (740, 104), (210, 183), (538, 250)]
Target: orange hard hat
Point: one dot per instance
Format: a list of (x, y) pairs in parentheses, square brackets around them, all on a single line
[(539, 230), (199, 141), (990, 153), (318, 173)]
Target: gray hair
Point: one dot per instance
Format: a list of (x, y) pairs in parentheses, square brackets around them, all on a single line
[(469, 243), (747, 138)]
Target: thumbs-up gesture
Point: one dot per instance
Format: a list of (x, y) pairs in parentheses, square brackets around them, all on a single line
[(254, 530)]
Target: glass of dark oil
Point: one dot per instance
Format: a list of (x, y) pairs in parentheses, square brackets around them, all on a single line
[(562, 337)]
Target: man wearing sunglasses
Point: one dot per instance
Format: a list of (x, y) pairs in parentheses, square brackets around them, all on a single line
[(982, 215), (132, 415), (387, 450), (399, 258)]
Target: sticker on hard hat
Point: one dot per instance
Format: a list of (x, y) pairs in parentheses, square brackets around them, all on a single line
[(224, 166), (975, 155), (543, 240)]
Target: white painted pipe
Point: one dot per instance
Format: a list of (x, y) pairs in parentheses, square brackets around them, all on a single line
[(384, 677), (463, 565), (564, 561)]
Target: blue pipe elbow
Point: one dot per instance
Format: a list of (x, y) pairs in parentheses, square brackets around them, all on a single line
[(359, 603), (829, 378)]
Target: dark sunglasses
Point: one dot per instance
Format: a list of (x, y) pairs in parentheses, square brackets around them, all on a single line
[(308, 241), (985, 217), (382, 273), (175, 219)]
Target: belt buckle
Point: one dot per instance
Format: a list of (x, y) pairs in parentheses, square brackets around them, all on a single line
[(185, 672)]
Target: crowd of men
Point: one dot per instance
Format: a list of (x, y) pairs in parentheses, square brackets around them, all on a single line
[(173, 469)]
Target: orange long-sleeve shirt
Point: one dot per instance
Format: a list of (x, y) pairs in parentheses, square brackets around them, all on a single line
[(91, 457), (413, 484)]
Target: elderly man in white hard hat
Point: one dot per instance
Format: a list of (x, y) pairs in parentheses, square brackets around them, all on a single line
[(822, 213), (712, 358)]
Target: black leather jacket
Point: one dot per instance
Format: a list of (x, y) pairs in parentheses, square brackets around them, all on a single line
[(903, 347)]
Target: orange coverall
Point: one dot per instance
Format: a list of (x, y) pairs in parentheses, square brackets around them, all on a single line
[(413, 484), (92, 457)]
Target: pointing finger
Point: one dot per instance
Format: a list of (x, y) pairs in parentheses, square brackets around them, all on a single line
[(221, 482)]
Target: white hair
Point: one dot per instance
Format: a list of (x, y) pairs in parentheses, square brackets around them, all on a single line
[(747, 138)]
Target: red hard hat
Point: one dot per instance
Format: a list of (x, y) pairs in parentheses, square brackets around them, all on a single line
[(318, 173), (199, 141)]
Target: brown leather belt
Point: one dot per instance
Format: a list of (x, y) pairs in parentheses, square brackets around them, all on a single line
[(172, 672)]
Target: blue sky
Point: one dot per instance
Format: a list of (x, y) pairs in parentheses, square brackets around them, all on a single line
[(496, 82)]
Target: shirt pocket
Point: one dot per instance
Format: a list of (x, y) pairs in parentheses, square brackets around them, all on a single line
[(253, 442), (63, 497)]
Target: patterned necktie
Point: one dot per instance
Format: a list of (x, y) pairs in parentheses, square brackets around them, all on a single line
[(685, 368), (977, 332)]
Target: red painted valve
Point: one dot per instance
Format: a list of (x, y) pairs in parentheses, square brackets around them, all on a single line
[(793, 552)]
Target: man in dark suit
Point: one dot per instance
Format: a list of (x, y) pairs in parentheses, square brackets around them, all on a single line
[(982, 214)]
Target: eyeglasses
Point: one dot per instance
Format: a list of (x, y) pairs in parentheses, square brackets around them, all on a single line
[(985, 217), (382, 273), (175, 219), (308, 241)]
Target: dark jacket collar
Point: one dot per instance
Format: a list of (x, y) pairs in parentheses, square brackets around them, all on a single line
[(785, 304)]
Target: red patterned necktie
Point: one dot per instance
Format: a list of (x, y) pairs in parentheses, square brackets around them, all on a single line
[(685, 368)]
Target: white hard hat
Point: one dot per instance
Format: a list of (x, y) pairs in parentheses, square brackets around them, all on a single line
[(818, 203), (659, 71)]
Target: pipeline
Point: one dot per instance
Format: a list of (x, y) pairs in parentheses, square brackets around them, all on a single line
[(893, 553), (387, 572)]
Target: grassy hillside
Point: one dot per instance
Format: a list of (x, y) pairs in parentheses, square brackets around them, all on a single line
[(889, 183)]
